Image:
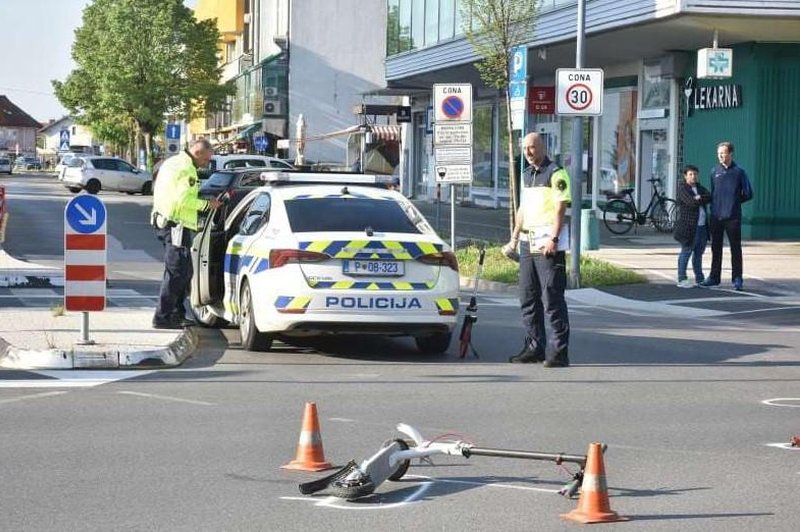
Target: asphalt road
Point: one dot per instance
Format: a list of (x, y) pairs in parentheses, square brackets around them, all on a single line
[(679, 401)]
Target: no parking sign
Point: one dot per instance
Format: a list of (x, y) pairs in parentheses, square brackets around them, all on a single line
[(579, 91)]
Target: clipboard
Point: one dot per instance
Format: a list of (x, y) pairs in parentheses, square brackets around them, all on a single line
[(539, 237)]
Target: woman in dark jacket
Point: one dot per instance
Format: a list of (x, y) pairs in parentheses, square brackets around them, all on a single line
[(691, 226)]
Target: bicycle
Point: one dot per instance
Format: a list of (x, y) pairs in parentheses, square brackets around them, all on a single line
[(620, 212)]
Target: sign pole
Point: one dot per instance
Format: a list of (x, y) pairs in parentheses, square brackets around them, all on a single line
[(85, 330), (577, 162), (453, 217)]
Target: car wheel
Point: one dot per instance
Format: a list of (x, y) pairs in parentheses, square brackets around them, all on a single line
[(93, 186), (147, 188), (206, 318), (252, 338), (434, 344), (74, 190)]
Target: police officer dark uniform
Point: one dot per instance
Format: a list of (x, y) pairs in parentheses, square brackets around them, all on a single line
[(544, 197), (174, 217)]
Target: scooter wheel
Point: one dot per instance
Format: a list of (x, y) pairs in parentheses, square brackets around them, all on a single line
[(403, 466)]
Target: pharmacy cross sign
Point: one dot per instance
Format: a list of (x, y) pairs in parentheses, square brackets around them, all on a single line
[(718, 63)]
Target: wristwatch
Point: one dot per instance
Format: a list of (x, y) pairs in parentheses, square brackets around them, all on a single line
[(555, 240)]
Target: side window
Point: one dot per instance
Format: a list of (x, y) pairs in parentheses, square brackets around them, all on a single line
[(103, 164), (235, 164), (280, 164), (122, 166), (251, 180), (257, 215), (255, 162)]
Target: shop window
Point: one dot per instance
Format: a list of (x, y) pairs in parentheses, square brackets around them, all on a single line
[(655, 87), (482, 147), (618, 157)]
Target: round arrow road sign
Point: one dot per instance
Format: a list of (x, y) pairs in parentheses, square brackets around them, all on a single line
[(85, 214)]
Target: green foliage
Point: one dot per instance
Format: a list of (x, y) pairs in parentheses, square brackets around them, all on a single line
[(493, 28), (496, 267), (138, 60)]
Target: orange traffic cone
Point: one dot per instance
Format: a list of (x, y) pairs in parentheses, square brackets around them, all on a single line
[(593, 505), (310, 456)]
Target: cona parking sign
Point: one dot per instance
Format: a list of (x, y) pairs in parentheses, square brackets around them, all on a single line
[(579, 91)]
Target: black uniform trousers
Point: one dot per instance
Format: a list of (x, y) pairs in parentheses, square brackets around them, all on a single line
[(542, 281), (733, 228), (177, 275)]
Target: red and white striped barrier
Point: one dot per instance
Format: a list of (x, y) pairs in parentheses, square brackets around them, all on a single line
[(85, 254)]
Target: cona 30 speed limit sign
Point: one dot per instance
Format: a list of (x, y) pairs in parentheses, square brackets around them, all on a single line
[(579, 91)]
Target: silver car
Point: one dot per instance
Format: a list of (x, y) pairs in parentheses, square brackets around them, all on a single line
[(5, 165), (94, 173)]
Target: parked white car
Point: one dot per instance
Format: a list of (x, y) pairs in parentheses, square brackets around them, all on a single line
[(93, 174), (5, 165), (229, 162), (63, 161)]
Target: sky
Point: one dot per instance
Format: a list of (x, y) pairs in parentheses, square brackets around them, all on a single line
[(36, 39)]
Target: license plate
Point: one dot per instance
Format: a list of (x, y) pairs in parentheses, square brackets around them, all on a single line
[(381, 268)]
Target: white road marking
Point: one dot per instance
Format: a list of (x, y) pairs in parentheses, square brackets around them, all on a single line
[(34, 396), (337, 503), (168, 398), (771, 402), (787, 446), (488, 484), (342, 419)]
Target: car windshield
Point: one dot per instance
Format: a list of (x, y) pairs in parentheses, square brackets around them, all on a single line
[(348, 214), (218, 180)]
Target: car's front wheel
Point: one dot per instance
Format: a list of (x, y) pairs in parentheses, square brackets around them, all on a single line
[(147, 188), (252, 338), (434, 344), (74, 190)]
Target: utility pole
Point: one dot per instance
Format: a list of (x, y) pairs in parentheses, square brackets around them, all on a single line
[(576, 172)]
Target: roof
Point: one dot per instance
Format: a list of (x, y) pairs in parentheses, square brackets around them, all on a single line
[(13, 116), (55, 123)]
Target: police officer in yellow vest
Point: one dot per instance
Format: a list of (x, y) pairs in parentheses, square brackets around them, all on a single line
[(544, 198), (175, 212)]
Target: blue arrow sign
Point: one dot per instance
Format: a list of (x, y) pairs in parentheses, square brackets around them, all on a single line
[(173, 131), (85, 214)]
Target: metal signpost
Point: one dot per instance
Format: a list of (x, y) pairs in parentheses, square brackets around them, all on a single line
[(452, 140), (85, 269)]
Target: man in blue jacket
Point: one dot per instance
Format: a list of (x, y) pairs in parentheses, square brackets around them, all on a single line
[(730, 187)]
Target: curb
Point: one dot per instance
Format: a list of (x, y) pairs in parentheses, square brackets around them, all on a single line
[(467, 283), (172, 355)]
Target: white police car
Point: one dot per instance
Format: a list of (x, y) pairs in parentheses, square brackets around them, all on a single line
[(324, 253)]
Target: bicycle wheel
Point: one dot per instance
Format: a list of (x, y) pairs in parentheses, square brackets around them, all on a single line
[(619, 216), (664, 214)]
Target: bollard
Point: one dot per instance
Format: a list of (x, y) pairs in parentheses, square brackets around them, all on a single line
[(590, 231)]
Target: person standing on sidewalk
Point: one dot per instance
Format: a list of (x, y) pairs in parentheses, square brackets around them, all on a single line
[(690, 227), (174, 217), (730, 187), (544, 199)]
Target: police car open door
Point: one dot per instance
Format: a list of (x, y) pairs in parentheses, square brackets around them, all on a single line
[(208, 254)]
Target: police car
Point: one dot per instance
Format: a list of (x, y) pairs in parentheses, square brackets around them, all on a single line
[(325, 253)]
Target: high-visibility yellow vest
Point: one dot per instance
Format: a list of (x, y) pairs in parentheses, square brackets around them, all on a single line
[(175, 194), (543, 190)]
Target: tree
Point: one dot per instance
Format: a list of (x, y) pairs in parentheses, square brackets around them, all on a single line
[(138, 60), (493, 28)]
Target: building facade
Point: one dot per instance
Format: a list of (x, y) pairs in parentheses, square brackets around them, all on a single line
[(287, 58), (78, 139), (657, 115), (17, 130)]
